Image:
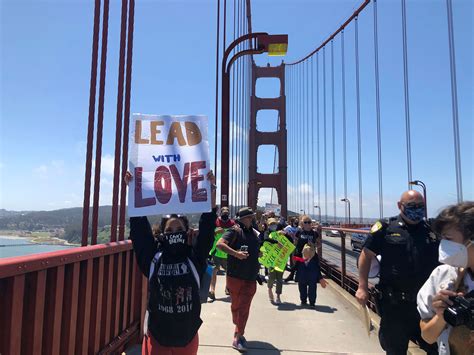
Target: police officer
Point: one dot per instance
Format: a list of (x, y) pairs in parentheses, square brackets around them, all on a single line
[(409, 253)]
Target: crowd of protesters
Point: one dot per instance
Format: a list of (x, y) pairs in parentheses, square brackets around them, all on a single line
[(416, 297)]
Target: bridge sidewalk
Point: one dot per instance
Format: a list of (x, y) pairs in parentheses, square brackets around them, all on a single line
[(334, 327)]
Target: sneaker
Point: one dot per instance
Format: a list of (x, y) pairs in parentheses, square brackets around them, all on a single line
[(304, 303), (239, 344), (278, 300), (212, 296), (312, 306)]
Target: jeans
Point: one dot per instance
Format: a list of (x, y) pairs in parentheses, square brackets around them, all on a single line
[(308, 290)]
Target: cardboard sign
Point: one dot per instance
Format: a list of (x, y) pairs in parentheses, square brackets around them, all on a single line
[(275, 255), (169, 160), (272, 207)]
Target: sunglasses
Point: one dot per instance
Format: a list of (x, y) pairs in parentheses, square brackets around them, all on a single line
[(414, 205), (307, 222)]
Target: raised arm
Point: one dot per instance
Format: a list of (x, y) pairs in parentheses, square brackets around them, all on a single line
[(144, 245)]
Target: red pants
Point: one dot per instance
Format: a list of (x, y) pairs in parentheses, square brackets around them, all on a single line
[(241, 294), (151, 347)]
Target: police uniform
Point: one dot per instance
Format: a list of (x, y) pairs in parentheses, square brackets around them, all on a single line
[(409, 255)]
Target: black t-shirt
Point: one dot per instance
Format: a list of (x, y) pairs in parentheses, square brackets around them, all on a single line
[(246, 269), (304, 237), (409, 253)]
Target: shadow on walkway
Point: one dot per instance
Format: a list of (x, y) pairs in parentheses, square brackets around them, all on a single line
[(286, 306)]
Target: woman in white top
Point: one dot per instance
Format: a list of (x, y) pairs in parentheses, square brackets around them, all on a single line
[(455, 225)]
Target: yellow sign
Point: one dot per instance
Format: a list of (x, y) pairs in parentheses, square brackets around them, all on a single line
[(275, 255)]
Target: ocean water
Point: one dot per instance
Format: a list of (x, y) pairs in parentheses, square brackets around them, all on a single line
[(16, 246)]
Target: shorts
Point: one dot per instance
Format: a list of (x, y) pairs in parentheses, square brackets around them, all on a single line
[(219, 262)]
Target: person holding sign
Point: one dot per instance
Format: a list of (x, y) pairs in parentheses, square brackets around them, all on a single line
[(174, 265), (242, 248), (219, 258), (276, 250)]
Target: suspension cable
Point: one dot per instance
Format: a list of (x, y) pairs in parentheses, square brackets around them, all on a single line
[(318, 132), (325, 139), (377, 105), (307, 135), (312, 135), (333, 134), (216, 123), (359, 143), (454, 100), (407, 96), (344, 127)]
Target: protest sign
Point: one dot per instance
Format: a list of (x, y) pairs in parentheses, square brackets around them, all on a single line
[(272, 207), (275, 255), (169, 160)]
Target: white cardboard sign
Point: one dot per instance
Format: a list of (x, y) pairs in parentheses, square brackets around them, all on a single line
[(169, 161)]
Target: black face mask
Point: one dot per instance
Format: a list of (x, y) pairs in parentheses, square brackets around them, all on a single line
[(225, 217), (175, 244)]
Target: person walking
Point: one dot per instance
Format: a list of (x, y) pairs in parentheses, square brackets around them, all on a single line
[(308, 275), (409, 253), (242, 247), (219, 258), (174, 265)]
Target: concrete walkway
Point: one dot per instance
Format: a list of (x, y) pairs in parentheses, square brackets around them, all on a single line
[(334, 327)]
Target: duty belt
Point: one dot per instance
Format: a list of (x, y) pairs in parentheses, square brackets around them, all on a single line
[(398, 296)]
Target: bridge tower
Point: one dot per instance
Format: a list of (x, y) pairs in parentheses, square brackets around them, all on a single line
[(277, 138)]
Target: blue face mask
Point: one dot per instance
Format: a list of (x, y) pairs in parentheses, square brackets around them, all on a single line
[(414, 214)]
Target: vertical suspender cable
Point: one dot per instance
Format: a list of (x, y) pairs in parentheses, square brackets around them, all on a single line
[(232, 125), (318, 131), (126, 123), (306, 138), (118, 122), (217, 84), (238, 110), (344, 127), (90, 125), (359, 150), (333, 133), (100, 122), (377, 104), (308, 135), (454, 100), (407, 97), (325, 139), (312, 136)]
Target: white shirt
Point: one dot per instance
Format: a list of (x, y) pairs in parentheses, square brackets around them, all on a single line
[(442, 278)]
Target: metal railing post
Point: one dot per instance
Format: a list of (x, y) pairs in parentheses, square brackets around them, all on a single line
[(343, 258)]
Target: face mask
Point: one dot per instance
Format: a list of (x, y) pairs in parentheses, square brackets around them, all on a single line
[(272, 228), (175, 244), (414, 214), (225, 217), (452, 253)]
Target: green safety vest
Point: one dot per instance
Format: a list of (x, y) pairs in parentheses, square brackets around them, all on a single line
[(214, 250)]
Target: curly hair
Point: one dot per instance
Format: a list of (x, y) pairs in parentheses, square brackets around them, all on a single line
[(460, 216)]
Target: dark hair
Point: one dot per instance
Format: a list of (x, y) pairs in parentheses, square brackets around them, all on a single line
[(460, 216), (166, 218)]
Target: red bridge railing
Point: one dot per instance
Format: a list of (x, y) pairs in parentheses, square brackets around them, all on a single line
[(84, 300), (338, 273)]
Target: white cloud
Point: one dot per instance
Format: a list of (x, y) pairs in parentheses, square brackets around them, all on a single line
[(41, 171), (49, 170), (108, 164)]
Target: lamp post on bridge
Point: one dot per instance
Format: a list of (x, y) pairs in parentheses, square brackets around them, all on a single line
[(423, 186), (319, 209), (349, 206), (261, 42), (304, 212)]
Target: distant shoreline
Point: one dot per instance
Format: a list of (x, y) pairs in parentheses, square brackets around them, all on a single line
[(35, 237)]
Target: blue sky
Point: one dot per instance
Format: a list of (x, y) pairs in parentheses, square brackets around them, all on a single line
[(45, 73)]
